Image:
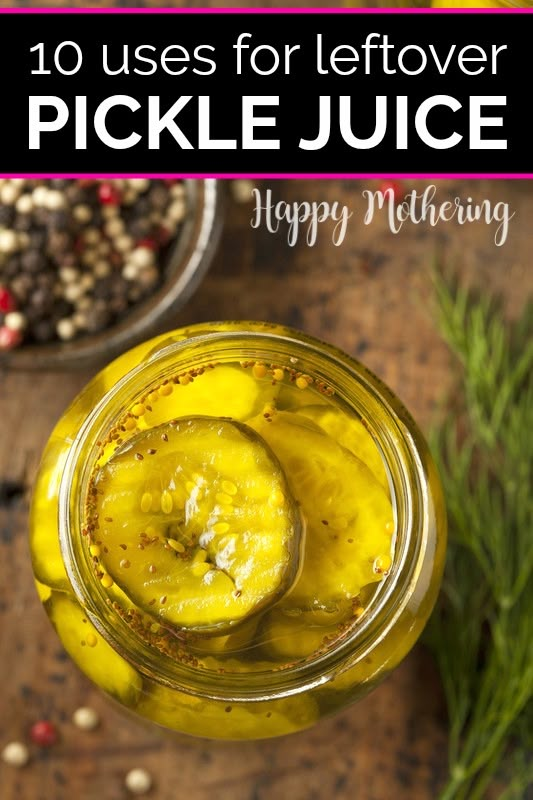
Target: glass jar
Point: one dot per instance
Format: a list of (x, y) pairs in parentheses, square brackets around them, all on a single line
[(217, 699)]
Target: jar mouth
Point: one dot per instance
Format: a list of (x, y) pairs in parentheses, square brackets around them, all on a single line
[(395, 435)]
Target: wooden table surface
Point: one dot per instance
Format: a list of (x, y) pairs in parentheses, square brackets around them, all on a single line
[(371, 296)]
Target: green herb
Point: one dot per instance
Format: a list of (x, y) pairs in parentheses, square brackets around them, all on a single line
[(482, 629)]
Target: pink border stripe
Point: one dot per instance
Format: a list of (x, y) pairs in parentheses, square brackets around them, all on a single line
[(286, 10), (279, 175)]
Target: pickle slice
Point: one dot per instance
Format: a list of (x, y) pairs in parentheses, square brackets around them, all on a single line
[(289, 638), (95, 657), (227, 720), (48, 566), (222, 391), (197, 523), (349, 432), (239, 639), (346, 510)]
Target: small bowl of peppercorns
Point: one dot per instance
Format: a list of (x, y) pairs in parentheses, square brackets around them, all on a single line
[(90, 267)]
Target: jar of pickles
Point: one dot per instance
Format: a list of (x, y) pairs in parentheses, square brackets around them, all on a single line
[(236, 530)]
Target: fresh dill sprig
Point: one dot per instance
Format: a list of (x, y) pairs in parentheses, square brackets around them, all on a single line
[(482, 629)]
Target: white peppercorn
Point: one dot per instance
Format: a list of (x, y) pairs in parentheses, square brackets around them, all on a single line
[(16, 754), (110, 212), (65, 329), (142, 257), (124, 243), (138, 781), (114, 227), (84, 303), (24, 204), (8, 241), (72, 292), (69, 274), (130, 271), (87, 282), (129, 197), (82, 213), (177, 191), (9, 193), (92, 236), (39, 196), (54, 200), (86, 718), (89, 257), (101, 268), (139, 184), (176, 210), (242, 190), (15, 320)]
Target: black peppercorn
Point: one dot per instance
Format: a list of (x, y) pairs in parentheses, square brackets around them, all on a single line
[(32, 261)]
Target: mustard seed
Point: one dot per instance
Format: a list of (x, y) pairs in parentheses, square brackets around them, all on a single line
[(259, 371)]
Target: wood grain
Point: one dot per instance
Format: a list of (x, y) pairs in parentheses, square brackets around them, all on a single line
[(370, 296)]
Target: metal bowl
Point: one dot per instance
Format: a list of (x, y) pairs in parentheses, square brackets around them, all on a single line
[(187, 262)]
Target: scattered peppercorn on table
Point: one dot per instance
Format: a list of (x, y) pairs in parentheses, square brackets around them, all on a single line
[(369, 297)]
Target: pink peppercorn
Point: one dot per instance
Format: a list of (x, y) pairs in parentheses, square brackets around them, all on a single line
[(396, 187), (7, 301), (108, 195), (9, 338), (148, 242), (44, 733)]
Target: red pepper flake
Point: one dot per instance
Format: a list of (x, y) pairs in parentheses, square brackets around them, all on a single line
[(44, 733)]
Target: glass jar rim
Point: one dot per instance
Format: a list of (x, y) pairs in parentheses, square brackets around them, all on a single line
[(402, 449)]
